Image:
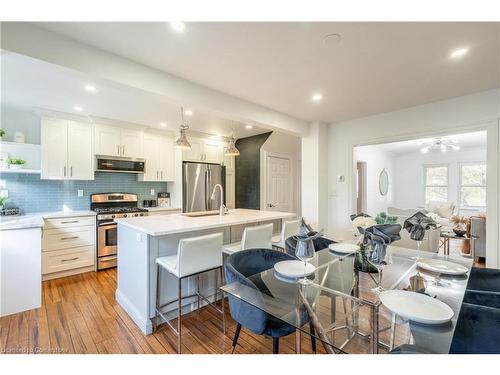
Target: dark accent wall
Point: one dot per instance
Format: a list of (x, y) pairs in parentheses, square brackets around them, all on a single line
[(247, 171)]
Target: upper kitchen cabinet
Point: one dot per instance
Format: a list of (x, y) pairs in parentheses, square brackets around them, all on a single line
[(159, 158), (66, 150), (204, 150), (115, 141)]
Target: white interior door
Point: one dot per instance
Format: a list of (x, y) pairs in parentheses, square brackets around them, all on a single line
[(279, 197)]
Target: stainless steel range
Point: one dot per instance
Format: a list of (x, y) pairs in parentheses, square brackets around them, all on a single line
[(110, 206)]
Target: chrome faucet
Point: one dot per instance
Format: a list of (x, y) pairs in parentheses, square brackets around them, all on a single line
[(222, 209)]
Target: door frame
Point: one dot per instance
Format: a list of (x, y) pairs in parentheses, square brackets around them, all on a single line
[(493, 183), (263, 179)]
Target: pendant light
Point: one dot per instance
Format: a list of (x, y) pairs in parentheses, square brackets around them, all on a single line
[(182, 141), (231, 149)]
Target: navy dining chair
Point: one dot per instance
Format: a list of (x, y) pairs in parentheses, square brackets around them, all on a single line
[(238, 268), (483, 287)]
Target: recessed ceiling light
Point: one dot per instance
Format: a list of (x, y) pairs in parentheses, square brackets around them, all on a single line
[(317, 97), (78, 108), (188, 112), (177, 26), (248, 127), (458, 53), (163, 124), (90, 88)]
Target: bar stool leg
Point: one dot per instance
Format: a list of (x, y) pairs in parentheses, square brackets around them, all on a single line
[(222, 300), (179, 309), (157, 306), (198, 290)]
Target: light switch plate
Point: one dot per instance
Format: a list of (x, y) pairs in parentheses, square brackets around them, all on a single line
[(80, 192), (152, 192)]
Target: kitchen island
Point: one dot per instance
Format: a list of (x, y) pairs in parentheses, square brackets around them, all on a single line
[(143, 239)]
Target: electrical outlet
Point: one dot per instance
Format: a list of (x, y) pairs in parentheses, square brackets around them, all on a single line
[(4, 193), (80, 192), (138, 237), (152, 192)]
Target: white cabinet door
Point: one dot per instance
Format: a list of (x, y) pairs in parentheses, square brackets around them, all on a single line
[(196, 151), (80, 155), (166, 160), (107, 140), (132, 143), (54, 149), (151, 158), (213, 152)]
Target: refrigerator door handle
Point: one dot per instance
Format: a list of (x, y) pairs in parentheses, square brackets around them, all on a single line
[(207, 187)]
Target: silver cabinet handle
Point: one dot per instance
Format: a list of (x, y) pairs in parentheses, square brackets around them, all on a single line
[(68, 260), (157, 175), (69, 222), (123, 150), (162, 175), (64, 171), (71, 171), (118, 148), (68, 238)]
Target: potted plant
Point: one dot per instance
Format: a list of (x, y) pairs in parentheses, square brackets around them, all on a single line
[(2, 133), (2, 202), (15, 163)]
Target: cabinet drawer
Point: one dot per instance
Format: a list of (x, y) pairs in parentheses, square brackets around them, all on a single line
[(56, 239), (62, 260), (69, 222)]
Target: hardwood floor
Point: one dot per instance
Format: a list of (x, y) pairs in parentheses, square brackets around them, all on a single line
[(79, 315)]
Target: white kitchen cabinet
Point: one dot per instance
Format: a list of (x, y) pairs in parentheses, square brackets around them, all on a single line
[(159, 158), (230, 192), (116, 141), (66, 150), (54, 149), (204, 150), (107, 140), (196, 151), (80, 155), (20, 270), (132, 143)]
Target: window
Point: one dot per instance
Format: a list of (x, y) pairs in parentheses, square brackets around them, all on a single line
[(436, 183), (473, 185)]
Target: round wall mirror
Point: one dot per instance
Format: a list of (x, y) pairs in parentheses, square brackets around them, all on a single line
[(383, 182)]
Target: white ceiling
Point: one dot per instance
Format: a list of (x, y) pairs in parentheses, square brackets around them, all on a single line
[(376, 67), (464, 140), (31, 84)]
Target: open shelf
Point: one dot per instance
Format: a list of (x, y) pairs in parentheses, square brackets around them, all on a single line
[(32, 171)]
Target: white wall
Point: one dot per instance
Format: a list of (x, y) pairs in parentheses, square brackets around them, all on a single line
[(314, 176), (409, 174), (281, 144), (467, 113), (376, 160)]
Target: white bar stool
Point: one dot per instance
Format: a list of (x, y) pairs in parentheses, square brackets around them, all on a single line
[(258, 237), (290, 228), (194, 256)]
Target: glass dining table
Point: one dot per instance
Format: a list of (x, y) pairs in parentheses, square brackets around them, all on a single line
[(343, 303)]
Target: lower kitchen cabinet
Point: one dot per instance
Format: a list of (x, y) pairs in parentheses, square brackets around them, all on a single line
[(68, 246)]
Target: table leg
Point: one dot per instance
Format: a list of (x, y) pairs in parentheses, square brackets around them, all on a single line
[(374, 335), (298, 341), (393, 331)]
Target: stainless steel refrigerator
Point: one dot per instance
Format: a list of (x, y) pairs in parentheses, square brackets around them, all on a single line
[(198, 181)]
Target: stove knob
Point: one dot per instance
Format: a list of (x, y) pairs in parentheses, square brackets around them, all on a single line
[(124, 215), (136, 214), (112, 216), (141, 214)]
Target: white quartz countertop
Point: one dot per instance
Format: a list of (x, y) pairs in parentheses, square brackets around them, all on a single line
[(178, 223), (33, 220)]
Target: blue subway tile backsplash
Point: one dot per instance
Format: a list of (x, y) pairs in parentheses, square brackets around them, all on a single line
[(31, 194)]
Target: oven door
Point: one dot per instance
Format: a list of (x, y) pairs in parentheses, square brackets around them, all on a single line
[(106, 238)]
